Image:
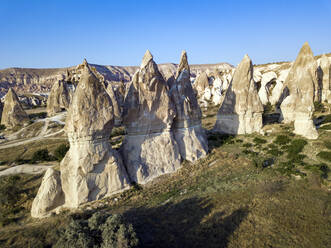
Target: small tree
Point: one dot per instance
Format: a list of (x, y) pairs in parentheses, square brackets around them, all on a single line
[(61, 151)]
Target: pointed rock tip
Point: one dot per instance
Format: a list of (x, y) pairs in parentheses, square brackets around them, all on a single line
[(306, 49), (147, 57)]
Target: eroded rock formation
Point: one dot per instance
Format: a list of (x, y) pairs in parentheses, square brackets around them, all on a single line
[(149, 148), (90, 170), (298, 106), (241, 110), (326, 80), (13, 113), (59, 98), (187, 128)]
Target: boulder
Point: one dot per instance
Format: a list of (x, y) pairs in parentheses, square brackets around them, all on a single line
[(241, 110), (326, 78), (50, 195), (13, 113), (187, 128), (149, 148), (59, 99), (300, 83)]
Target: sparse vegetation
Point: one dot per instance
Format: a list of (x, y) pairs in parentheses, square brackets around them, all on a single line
[(40, 115), (325, 155), (41, 155), (61, 151), (100, 230)]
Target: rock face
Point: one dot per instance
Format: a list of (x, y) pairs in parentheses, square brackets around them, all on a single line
[(91, 170), (149, 148), (13, 113), (298, 106), (266, 81), (241, 110), (59, 99), (116, 105), (187, 128), (326, 81), (201, 83), (49, 196), (217, 91)]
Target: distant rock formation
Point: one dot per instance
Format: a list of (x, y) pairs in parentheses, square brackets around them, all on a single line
[(241, 110), (298, 106), (201, 83), (149, 148), (59, 99), (266, 80), (187, 128), (217, 90), (13, 113), (326, 79)]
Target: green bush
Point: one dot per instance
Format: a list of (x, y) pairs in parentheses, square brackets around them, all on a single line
[(9, 192), (61, 151), (117, 131), (247, 145), (275, 152), (325, 155), (100, 230), (282, 140), (322, 169), (40, 115), (295, 147), (2, 127), (267, 108), (41, 155), (326, 127), (319, 107), (259, 141), (327, 144)]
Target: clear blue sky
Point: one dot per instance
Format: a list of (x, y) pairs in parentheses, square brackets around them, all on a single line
[(58, 33)]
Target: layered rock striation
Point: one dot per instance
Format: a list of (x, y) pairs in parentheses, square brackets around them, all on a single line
[(187, 128), (149, 148)]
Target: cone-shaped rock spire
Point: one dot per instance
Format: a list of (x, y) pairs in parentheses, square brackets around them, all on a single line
[(241, 110), (187, 128), (298, 106), (13, 113), (148, 114)]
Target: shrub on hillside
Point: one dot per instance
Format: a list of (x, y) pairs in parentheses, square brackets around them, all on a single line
[(100, 230), (325, 155), (2, 127), (282, 140), (41, 155), (61, 151), (319, 107), (295, 147)]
